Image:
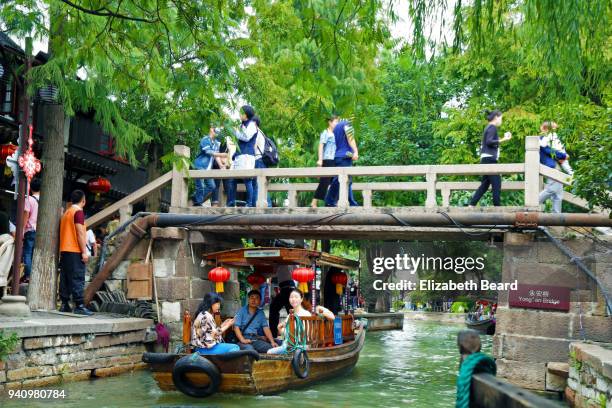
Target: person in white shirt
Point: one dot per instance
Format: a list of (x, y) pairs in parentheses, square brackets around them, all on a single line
[(245, 159), (91, 244)]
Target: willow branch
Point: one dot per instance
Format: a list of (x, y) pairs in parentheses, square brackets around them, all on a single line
[(107, 13)]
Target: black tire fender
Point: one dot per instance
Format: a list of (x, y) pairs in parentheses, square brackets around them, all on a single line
[(195, 363), (300, 363), (158, 358)]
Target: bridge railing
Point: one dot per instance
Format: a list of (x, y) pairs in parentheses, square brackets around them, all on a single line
[(531, 170)]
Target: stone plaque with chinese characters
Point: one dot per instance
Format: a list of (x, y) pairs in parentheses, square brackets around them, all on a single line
[(540, 297)]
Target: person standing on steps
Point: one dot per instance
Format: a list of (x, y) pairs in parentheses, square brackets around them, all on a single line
[(489, 154), (73, 255)]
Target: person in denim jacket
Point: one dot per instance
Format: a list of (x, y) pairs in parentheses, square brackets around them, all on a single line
[(209, 149)]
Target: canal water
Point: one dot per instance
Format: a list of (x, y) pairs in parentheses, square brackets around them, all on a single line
[(415, 367)]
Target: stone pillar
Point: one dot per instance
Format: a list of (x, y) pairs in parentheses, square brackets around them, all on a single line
[(367, 198), (430, 201), (343, 201), (180, 188), (532, 171), (262, 192), (124, 214)]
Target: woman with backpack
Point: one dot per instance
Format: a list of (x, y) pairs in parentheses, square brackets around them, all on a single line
[(245, 157), (260, 148)]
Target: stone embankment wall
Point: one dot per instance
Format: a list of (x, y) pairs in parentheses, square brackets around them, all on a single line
[(527, 340), (590, 376), (180, 274), (46, 360)]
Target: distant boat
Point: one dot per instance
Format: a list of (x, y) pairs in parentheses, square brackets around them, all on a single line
[(474, 320)]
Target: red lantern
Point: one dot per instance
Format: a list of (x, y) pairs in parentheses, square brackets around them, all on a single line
[(339, 279), (99, 185), (303, 276), (6, 151), (256, 279), (219, 275)]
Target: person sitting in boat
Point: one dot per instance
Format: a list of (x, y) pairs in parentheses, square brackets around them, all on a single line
[(249, 322), (206, 337), (296, 297), (286, 284)]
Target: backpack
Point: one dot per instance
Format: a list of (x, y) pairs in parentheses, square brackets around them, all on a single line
[(270, 153)]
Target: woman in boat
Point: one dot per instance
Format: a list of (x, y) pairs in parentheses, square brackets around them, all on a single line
[(207, 338), (296, 298)]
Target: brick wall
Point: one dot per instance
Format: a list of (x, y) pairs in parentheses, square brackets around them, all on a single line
[(43, 361)]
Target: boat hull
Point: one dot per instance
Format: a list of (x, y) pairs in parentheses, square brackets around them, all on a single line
[(271, 373), (483, 326)]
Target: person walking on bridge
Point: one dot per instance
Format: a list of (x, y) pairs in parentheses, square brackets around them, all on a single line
[(245, 157), (489, 154), (209, 152), (346, 154), (552, 152), (326, 152)]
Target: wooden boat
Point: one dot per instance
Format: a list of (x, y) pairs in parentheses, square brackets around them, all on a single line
[(248, 372), (484, 326)]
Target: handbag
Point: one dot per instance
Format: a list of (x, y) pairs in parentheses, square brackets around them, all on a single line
[(231, 336)]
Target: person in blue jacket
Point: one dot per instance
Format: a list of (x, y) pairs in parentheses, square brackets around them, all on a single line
[(549, 157), (209, 149)]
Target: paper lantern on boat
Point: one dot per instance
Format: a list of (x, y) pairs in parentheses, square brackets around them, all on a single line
[(303, 276), (339, 279), (256, 279), (6, 150), (219, 275), (99, 185)]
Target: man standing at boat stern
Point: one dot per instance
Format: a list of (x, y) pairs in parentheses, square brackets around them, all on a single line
[(73, 255), (250, 323)]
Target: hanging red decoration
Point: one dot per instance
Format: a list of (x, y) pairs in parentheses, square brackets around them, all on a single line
[(339, 279), (256, 279), (28, 161), (303, 276), (99, 185), (6, 151), (219, 275)]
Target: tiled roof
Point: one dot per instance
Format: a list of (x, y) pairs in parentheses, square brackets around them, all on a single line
[(7, 42)]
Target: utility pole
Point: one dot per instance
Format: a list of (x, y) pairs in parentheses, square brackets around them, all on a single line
[(24, 122)]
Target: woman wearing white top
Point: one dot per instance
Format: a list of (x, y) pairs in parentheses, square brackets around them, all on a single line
[(295, 299), (245, 157)]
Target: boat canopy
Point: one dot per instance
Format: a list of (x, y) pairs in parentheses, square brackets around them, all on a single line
[(264, 258)]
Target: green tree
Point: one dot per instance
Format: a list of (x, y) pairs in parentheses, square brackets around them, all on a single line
[(127, 53)]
